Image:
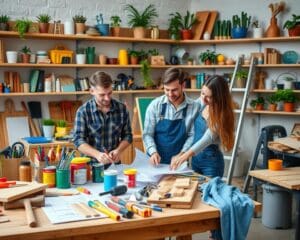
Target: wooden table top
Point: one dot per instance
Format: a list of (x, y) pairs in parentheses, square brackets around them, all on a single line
[(288, 177)]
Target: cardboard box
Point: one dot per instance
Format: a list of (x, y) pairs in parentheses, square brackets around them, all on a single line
[(9, 167)]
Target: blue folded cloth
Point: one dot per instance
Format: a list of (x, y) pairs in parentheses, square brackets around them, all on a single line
[(236, 208)]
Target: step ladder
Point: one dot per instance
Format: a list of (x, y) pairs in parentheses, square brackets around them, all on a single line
[(240, 112)]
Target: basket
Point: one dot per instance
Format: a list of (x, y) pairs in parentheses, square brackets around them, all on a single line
[(57, 54)]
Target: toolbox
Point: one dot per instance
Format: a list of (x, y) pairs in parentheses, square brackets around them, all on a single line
[(59, 53)]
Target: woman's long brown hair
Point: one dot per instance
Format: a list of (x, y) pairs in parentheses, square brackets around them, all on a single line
[(221, 115)]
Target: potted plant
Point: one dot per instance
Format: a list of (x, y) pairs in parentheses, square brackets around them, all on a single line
[(185, 24), (146, 73), (25, 54), (139, 21), (241, 77), (240, 25), (80, 55), (257, 30), (4, 22), (115, 25), (133, 56), (288, 97), (272, 100), (61, 128), (22, 26), (293, 26), (258, 103), (43, 20), (190, 61), (174, 29), (79, 21), (208, 57), (48, 127)]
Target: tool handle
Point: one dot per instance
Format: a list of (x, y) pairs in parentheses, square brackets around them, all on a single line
[(29, 213)]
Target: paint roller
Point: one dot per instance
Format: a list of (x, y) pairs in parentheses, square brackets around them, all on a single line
[(28, 203)]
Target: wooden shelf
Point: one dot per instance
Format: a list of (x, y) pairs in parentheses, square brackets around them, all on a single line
[(266, 112), (47, 36), (269, 91), (278, 65)]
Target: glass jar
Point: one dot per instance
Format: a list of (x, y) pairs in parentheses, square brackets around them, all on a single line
[(25, 171), (154, 32)]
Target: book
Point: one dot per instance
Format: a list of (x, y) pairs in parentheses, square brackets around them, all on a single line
[(33, 79), (41, 81)]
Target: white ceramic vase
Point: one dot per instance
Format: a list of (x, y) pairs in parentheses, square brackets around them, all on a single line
[(80, 58), (12, 56), (257, 32), (48, 131)]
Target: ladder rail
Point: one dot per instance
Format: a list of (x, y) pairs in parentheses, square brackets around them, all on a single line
[(240, 119)]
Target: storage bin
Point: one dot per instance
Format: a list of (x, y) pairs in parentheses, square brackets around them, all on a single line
[(57, 54), (277, 207)]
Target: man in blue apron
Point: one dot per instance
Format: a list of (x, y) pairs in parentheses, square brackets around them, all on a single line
[(169, 120)]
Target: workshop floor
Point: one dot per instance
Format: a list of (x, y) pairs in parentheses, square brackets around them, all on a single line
[(257, 230)]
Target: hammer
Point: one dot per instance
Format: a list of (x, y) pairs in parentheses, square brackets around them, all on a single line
[(37, 201)]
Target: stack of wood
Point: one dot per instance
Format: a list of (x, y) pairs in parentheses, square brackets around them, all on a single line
[(13, 80), (272, 56)]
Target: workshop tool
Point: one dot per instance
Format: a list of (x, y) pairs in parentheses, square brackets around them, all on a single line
[(101, 208), (116, 191), (124, 211), (28, 203)]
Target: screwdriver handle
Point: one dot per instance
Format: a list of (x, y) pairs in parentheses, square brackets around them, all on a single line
[(116, 191)]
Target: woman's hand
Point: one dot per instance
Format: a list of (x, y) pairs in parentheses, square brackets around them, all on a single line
[(177, 161), (155, 159)]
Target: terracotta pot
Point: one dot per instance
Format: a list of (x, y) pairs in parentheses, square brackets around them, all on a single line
[(25, 57), (43, 27), (240, 82), (259, 107), (112, 61), (115, 31), (102, 59), (186, 34), (134, 60), (207, 62), (273, 30), (79, 28), (288, 107), (294, 32), (139, 32), (273, 107)]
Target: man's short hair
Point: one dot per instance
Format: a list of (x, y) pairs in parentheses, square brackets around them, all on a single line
[(174, 74), (100, 79)]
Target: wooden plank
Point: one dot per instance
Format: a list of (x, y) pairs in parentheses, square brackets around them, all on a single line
[(290, 142), (211, 22), (198, 28)]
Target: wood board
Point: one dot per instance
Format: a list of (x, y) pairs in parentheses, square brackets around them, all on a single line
[(10, 112), (15, 193), (185, 201), (58, 112), (198, 28), (211, 22), (290, 142)]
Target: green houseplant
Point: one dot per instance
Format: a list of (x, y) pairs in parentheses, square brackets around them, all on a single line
[(272, 100), (146, 73), (288, 97), (79, 21), (240, 25), (258, 103), (61, 128), (25, 54), (48, 127), (293, 25), (22, 26), (185, 23), (4, 22), (43, 20), (241, 77), (140, 20), (115, 25), (208, 57), (174, 29), (134, 56)]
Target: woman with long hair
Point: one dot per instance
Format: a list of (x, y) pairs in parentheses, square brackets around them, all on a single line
[(213, 127)]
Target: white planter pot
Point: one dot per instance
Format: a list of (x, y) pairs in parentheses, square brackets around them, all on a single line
[(268, 84), (80, 58), (12, 56), (288, 84), (48, 131), (257, 32), (69, 27)]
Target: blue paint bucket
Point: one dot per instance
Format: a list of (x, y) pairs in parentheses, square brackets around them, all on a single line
[(103, 29), (110, 179)]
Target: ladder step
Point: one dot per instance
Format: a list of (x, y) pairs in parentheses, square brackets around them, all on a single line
[(238, 89), (228, 157)]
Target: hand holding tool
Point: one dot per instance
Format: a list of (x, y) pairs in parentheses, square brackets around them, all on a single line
[(116, 191)]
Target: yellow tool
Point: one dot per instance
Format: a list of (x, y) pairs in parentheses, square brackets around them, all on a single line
[(102, 208)]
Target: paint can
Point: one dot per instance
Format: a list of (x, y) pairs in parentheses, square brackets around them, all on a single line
[(110, 179), (78, 173), (49, 176), (97, 172), (63, 178), (130, 177)]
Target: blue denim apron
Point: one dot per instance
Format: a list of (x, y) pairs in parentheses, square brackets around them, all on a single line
[(209, 162), (170, 135)]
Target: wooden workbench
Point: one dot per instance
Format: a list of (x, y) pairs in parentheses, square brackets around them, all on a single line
[(288, 178), (171, 222)]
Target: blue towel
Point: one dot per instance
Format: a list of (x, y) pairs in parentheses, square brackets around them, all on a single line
[(236, 208)]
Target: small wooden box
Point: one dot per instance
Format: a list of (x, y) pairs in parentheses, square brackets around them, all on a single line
[(9, 167)]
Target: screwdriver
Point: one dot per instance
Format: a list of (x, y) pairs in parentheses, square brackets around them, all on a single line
[(116, 191)]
